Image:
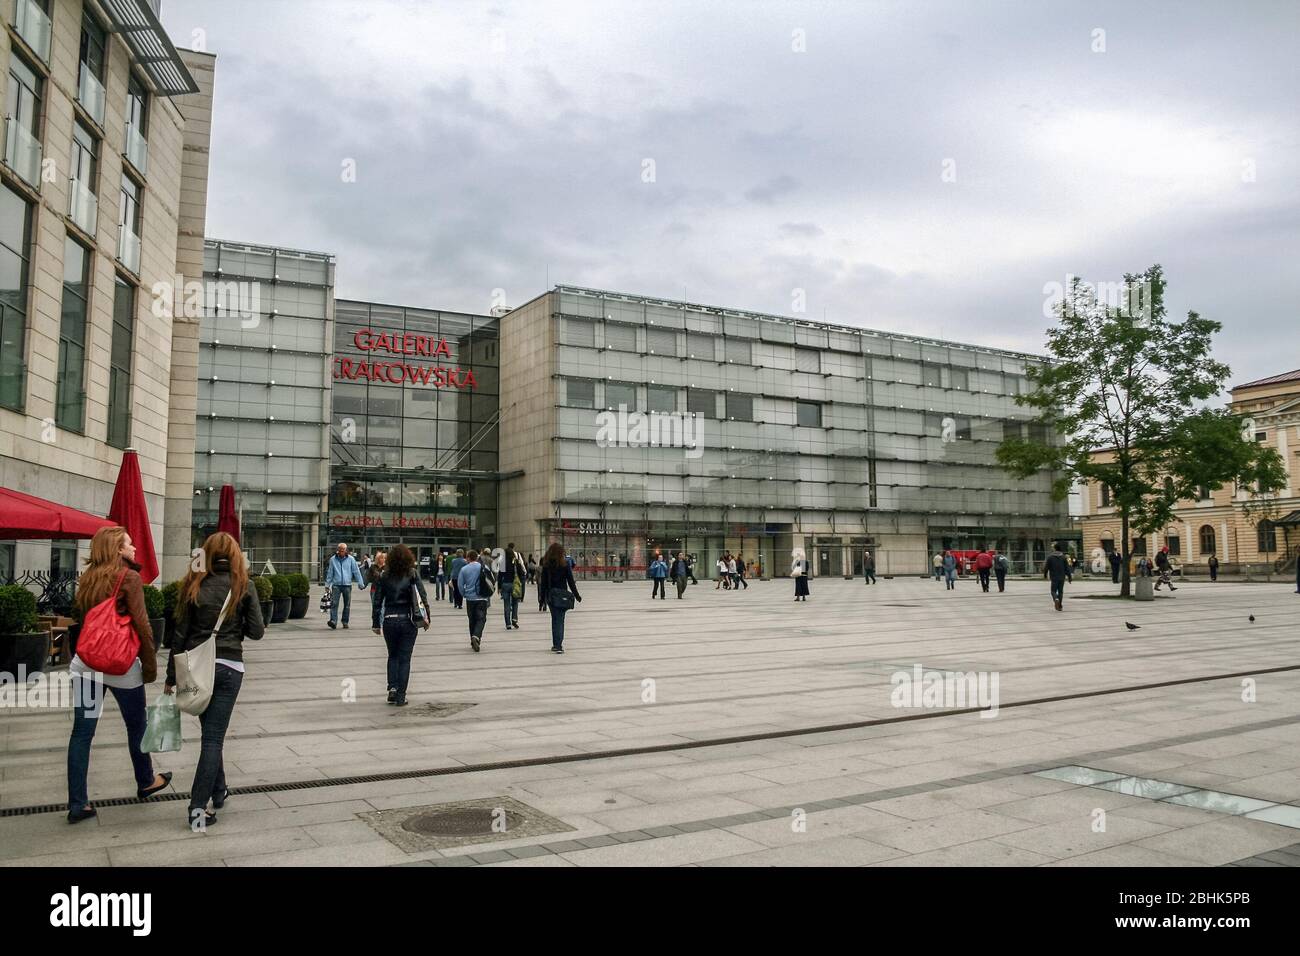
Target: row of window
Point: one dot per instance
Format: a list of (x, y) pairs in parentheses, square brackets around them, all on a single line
[(1104, 493), (1265, 541), (714, 348)]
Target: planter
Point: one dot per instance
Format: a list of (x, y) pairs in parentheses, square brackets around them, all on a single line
[(1142, 590), (298, 607), (267, 608), (159, 627), (280, 610), (28, 651)]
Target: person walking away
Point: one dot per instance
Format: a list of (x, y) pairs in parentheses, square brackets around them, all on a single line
[(740, 572), (950, 570), (722, 574), (1001, 565), (681, 571), (376, 571), (1214, 568), (111, 572), (801, 570), (398, 609), (658, 572), (474, 584), (1057, 569), (457, 564), (1116, 562), (690, 568), (984, 566), (1162, 566), (868, 568), (342, 573), (511, 571), (937, 563), (555, 580), (732, 574), (532, 569), (216, 604)]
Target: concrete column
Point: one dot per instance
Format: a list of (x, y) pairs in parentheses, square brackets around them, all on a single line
[(1223, 531)]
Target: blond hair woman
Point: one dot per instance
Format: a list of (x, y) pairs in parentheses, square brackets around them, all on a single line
[(110, 569), (222, 585)]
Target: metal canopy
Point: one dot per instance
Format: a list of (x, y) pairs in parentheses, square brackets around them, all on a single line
[(1292, 518), (150, 46)]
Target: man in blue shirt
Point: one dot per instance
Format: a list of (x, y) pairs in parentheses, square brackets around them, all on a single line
[(341, 573), (468, 581)]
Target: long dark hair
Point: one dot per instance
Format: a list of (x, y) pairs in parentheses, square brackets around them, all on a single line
[(400, 561), (554, 557)]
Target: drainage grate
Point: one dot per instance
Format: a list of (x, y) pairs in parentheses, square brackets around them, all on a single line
[(444, 825), (317, 782)]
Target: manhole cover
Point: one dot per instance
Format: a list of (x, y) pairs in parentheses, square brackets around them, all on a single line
[(468, 821), (441, 826)]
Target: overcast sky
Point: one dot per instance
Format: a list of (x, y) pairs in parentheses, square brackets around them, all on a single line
[(795, 146)]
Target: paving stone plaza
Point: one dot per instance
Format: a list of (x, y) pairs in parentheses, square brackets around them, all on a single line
[(606, 755)]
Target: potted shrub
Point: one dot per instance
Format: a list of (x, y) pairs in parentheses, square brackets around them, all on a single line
[(281, 598), (22, 643), (300, 594), (171, 597), (262, 583), (155, 606)]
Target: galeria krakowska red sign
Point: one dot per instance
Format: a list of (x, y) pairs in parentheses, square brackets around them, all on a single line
[(396, 373)]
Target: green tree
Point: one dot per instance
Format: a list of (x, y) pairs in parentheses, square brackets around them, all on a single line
[(1123, 391)]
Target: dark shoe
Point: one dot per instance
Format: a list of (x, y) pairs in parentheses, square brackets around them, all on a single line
[(76, 816), (150, 791), (392, 695), (345, 627), (474, 643), (219, 799), (208, 818), (331, 624), (559, 650), (401, 701)]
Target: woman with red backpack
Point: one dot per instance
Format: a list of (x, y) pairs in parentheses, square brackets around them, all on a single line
[(117, 643)]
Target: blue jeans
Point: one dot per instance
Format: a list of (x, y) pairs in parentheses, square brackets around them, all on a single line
[(1058, 589), (951, 577), (399, 635), (440, 588), (210, 774), (345, 592), (509, 602), (557, 626), (84, 721)]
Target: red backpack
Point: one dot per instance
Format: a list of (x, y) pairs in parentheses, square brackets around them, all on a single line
[(108, 641)]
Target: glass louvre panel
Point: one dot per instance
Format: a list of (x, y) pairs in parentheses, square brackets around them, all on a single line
[(740, 351), (620, 394), (807, 360), (700, 346), (808, 414), (661, 341), (621, 337), (579, 332), (702, 401), (119, 373), (580, 393), (740, 407), (661, 398)]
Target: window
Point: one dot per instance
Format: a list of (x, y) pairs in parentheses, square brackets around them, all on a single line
[(740, 408), (1261, 436), (1266, 533), (1175, 543), (8, 562), (579, 332), (22, 146), (15, 250), (702, 401), (807, 360), (63, 560), (931, 374), (808, 413), (1203, 493), (70, 404), (960, 378), (621, 337), (740, 351), (1108, 542), (128, 224), (661, 398), (580, 393), (700, 346), (1105, 495), (661, 341), (92, 46), (137, 104), (1207, 539), (620, 394), (119, 369), (1039, 434), (1139, 546), (1012, 384)]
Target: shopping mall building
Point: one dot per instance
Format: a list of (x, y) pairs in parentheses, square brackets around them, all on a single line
[(615, 423)]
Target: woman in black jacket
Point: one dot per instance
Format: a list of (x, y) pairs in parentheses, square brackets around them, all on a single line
[(219, 592), (397, 612), (555, 581)]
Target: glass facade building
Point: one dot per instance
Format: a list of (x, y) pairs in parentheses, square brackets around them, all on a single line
[(686, 427)]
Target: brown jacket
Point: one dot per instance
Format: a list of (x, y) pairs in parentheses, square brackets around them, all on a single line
[(130, 600)]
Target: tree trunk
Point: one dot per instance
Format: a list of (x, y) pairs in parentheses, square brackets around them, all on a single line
[(1124, 555)]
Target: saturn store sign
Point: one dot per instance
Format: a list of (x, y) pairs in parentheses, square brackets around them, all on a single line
[(416, 362)]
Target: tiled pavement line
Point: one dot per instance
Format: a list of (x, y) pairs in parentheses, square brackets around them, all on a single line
[(704, 743), (860, 799), (1283, 856)]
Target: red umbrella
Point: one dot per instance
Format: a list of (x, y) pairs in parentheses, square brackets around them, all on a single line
[(27, 517), (227, 518), (129, 511)]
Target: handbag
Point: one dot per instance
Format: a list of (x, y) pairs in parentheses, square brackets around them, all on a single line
[(560, 598), (517, 588), (418, 605), (196, 670), (108, 642), (486, 583), (162, 733)]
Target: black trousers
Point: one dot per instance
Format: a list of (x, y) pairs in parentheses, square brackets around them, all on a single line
[(1002, 580), (984, 578), (658, 590), (477, 612)]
